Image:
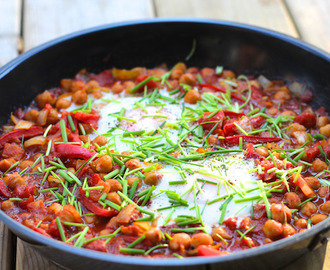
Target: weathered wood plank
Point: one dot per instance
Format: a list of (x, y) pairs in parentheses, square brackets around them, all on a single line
[(10, 12), (10, 17), (271, 14), (45, 20), (28, 259), (6, 248), (312, 21)]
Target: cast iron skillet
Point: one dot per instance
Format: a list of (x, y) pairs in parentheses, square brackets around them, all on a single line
[(245, 49)]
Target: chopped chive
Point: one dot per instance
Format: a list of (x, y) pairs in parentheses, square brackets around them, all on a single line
[(133, 188), (47, 130), (155, 247), (73, 128), (223, 209), (148, 195), (187, 230), (82, 130), (134, 133), (141, 84), (111, 174), (131, 251), (81, 239), (12, 167), (63, 131), (309, 199), (137, 241), (60, 229)]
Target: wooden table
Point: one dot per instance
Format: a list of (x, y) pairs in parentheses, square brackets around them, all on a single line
[(25, 24)]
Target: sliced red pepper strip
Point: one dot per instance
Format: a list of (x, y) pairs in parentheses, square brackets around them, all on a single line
[(302, 184), (19, 133), (4, 191), (88, 118), (222, 90), (95, 207), (208, 251), (231, 114), (234, 140), (73, 151)]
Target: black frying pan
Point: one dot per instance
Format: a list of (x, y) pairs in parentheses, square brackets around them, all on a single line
[(242, 48)]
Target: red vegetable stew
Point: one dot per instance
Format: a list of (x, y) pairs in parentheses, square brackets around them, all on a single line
[(165, 162)]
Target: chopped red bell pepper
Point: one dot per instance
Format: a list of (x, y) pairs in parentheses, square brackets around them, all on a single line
[(222, 90), (234, 140), (19, 133), (307, 119), (95, 207), (73, 151), (313, 152), (204, 250), (4, 191)]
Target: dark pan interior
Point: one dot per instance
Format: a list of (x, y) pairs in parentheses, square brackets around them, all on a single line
[(244, 49), (144, 44)]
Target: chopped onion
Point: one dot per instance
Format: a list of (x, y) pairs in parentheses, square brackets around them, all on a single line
[(14, 118), (38, 140), (298, 89), (22, 124), (264, 81), (42, 118)]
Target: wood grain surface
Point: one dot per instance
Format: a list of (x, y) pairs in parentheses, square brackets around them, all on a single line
[(25, 24), (271, 14)]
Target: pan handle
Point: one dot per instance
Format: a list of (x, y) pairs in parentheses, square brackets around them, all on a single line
[(319, 240)]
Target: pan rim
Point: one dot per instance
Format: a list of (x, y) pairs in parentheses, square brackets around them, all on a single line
[(43, 240)]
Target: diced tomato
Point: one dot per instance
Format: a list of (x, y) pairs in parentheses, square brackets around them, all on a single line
[(4, 190), (41, 231), (229, 129), (23, 204), (249, 151), (231, 223), (22, 191), (258, 121), (53, 229), (150, 85), (14, 151), (204, 250), (98, 245), (104, 78), (307, 119)]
